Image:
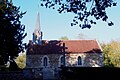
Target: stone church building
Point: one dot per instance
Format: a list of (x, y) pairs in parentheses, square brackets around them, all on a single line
[(47, 56)]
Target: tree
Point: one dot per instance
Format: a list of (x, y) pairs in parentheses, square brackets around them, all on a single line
[(83, 10), (21, 60), (115, 53), (64, 38), (12, 32), (107, 58), (112, 54)]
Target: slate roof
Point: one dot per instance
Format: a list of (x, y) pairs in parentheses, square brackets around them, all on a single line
[(71, 46)]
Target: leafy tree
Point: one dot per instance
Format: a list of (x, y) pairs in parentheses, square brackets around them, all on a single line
[(64, 38), (11, 32), (83, 10), (115, 53), (111, 54), (107, 58), (21, 60)]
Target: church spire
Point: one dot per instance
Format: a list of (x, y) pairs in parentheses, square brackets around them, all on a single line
[(38, 21), (37, 35)]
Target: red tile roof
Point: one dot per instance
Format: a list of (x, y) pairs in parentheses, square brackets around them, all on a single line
[(72, 46)]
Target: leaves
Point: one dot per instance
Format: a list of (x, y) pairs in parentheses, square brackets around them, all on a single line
[(110, 23), (64, 38), (82, 9), (21, 60), (114, 4), (112, 54)]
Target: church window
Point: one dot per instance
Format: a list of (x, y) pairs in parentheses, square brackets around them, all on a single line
[(79, 61), (45, 61), (62, 60)]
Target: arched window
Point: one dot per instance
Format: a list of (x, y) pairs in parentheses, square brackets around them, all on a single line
[(45, 61), (79, 61), (62, 60)]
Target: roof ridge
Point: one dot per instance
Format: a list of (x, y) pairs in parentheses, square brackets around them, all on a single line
[(73, 40)]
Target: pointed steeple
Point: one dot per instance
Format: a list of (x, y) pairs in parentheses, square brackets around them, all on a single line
[(37, 23), (37, 35)]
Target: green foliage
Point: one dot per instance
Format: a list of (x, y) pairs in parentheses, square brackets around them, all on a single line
[(115, 53), (83, 10), (21, 60), (107, 58), (11, 31), (64, 38), (112, 54)]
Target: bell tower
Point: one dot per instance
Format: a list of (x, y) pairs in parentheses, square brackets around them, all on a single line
[(37, 34)]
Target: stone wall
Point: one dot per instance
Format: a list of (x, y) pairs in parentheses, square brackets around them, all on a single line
[(72, 59), (94, 60), (88, 59), (35, 61)]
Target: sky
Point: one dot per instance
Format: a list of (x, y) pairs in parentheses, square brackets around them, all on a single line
[(55, 25)]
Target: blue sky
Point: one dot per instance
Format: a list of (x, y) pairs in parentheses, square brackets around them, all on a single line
[(55, 25)]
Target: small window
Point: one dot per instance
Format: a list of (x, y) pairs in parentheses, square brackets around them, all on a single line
[(62, 60), (45, 61), (79, 61)]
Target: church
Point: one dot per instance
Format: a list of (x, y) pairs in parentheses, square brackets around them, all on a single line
[(47, 56)]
